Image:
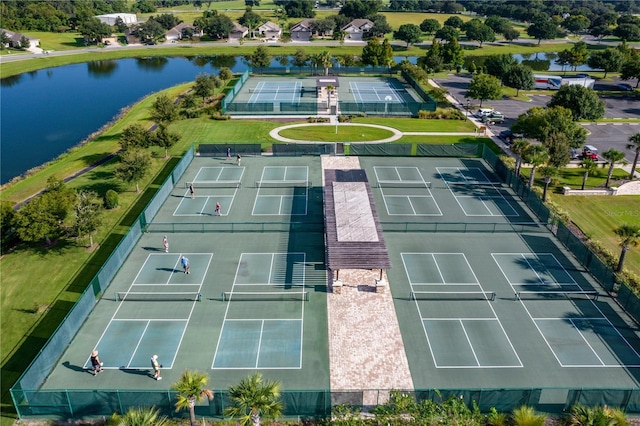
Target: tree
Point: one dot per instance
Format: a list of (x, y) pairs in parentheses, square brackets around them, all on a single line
[(299, 8), (498, 65), (478, 31), (627, 32), (6, 218), (142, 416), (120, 26), (300, 58), (430, 26), (511, 34), (203, 86), (149, 30), (548, 173), (409, 33), (163, 110), (558, 148), (167, 20), (447, 33), (519, 77), (635, 146), (631, 69), (164, 138), (520, 148), (254, 398), (576, 23), (225, 74), (134, 166), (372, 53), (87, 215), (134, 136), (600, 31), (609, 60), (539, 123), (325, 60), (380, 26), (24, 42), (629, 237), (583, 102), (191, 389), (260, 58), (359, 9), (94, 31), (453, 55), (589, 165), (5, 39), (216, 26), (579, 54), (537, 155), (543, 29), (483, 87), (432, 61), (454, 21), (613, 156), (497, 24), (251, 20)]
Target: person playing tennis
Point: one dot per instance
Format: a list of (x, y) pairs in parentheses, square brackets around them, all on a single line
[(156, 367), (96, 364), (185, 264), (218, 209)]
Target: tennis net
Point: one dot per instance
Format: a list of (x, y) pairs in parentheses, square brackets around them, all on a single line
[(214, 184), (557, 295), (385, 91), (281, 296), (452, 295), (403, 184), (275, 90), (137, 296), (283, 184)]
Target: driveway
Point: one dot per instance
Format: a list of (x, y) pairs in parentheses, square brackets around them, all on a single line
[(603, 136)]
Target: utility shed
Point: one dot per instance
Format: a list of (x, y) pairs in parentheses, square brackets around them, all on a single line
[(354, 237)]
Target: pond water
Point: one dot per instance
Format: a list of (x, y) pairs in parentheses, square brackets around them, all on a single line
[(46, 112)]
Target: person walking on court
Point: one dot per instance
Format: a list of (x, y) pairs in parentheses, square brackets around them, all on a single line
[(156, 367), (185, 264), (96, 364), (191, 191), (228, 153), (218, 209), (165, 244), (238, 158)]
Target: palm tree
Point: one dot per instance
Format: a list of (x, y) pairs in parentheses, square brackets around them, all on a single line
[(191, 389), (537, 155), (526, 416), (519, 148), (325, 60), (589, 166), (635, 146), (253, 398), (613, 156), (629, 237), (143, 416), (548, 173)]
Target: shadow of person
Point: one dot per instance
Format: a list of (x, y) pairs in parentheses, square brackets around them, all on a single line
[(137, 372), (152, 249), (77, 368)]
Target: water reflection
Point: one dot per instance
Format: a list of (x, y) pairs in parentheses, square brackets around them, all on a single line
[(10, 81), (101, 68), (156, 63)]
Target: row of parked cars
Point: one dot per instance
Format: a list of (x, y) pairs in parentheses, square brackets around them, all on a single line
[(490, 116)]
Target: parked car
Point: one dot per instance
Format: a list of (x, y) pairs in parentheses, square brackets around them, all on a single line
[(493, 117), (590, 151), (508, 136), (624, 86), (483, 111), (583, 75)]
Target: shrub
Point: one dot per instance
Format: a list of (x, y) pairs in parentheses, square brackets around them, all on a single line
[(111, 199), (442, 114), (217, 116), (526, 416)]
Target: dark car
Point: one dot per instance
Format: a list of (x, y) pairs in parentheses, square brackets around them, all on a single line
[(624, 86), (508, 136)]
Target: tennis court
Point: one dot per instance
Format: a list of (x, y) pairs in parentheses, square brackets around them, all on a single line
[(477, 308), (368, 91)]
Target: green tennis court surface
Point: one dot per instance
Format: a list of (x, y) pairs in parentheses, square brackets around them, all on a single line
[(480, 309)]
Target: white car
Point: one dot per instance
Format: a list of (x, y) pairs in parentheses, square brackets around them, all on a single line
[(483, 112)]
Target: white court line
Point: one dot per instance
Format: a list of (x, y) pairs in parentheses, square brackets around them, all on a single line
[(259, 344), (464, 330), (135, 350)]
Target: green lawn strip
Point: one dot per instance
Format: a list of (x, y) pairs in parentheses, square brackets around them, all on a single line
[(343, 134), (205, 130), (598, 216), (440, 139), (413, 125), (84, 155)]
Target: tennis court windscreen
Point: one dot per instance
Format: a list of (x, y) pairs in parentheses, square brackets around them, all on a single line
[(403, 184), (557, 295), (452, 295), (135, 296), (214, 184), (280, 296)]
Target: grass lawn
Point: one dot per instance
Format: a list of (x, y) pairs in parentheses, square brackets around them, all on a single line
[(597, 217), (413, 125), (343, 134)]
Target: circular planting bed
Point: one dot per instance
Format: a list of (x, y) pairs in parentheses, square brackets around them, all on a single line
[(327, 133)]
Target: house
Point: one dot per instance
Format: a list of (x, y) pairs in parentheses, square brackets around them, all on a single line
[(111, 18), (269, 31), (181, 31), (356, 29), (15, 40), (238, 31), (130, 37), (302, 31), (305, 29)]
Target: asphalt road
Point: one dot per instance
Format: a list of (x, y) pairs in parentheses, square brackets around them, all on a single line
[(602, 136)]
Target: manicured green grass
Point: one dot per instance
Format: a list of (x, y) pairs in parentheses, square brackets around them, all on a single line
[(439, 139), (597, 217), (206, 130), (343, 134), (395, 19), (413, 125)]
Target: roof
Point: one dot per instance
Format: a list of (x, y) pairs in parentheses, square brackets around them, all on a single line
[(16, 37), (239, 28), (348, 247), (269, 26), (304, 25), (359, 23)]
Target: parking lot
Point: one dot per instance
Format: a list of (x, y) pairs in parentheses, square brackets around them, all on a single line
[(603, 135)]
